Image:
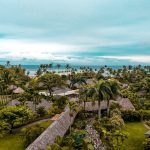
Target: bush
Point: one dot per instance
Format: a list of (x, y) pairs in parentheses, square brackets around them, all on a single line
[(147, 122), (130, 115), (146, 144), (15, 116), (147, 106), (145, 115), (54, 110), (116, 121), (29, 134), (61, 102), (41, 111)]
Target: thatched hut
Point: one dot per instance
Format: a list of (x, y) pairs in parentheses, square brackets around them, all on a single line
[(18, 90), (147, 134)]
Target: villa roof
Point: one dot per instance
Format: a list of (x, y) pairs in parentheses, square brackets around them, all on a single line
[(12, 87), (90, 81), (125, 103), (67, 93), (93, 106), (147, 133), (18, 90), (61, 92)]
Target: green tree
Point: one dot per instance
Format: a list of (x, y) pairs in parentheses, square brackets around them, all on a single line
[(15, 115), (101, 92), (50, 81)]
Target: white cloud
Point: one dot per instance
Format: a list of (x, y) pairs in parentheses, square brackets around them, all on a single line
[(140, 59), (33, 50)]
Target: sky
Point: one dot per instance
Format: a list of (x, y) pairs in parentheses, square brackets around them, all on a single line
[(85, 32)]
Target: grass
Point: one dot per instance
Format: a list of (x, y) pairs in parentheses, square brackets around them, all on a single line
[(136, 136), (14, 141)]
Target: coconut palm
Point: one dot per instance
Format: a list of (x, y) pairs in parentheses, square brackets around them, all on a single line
[(84, 93), (102, 91), (8, 63), (34, 96), (58, 66), (114, 86), (50, 66)]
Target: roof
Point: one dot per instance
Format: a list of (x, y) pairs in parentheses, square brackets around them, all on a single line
[(90, 81), (12, 87), (148, 133), (125, 103), (61, 92), (67, 93), (93, 106), (18, 90)]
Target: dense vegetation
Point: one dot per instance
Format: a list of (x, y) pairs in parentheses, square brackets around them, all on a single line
[(22, 96)]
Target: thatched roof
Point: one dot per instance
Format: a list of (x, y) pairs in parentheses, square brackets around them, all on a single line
[(18, 90), (13, 103), (12, 87), (147, 134), (125, 103), (57, 128), (90, 81), (93, 106), (30, 104)]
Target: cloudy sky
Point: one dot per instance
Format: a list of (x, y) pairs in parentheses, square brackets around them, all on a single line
[(112, 32)]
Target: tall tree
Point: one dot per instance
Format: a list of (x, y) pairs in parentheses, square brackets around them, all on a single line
[(50, 81), (101, 92), (114, 87)]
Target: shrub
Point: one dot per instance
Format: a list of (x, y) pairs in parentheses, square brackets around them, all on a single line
[(147, 122), (29, 134), (41, 111), (130, 115), (54, 110), (147, 105), (116, 121), (4, 128), (15, 115), (146, 144), (145, 115)]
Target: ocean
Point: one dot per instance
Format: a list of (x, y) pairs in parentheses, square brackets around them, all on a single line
[(33, 68)]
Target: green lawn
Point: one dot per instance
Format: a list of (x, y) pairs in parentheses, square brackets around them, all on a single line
[(136, 136), (14, 141)]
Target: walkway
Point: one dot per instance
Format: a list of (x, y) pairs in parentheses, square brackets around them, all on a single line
[(32, 123), (94, 136)]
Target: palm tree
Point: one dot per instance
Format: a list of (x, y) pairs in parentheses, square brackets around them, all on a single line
[(114, 87), (101, 92), (77, 79), (50, 66), (39, 72), (34, 96), (73, 109), (8, 63), (84, 92), (58, 66), (67, 67)]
